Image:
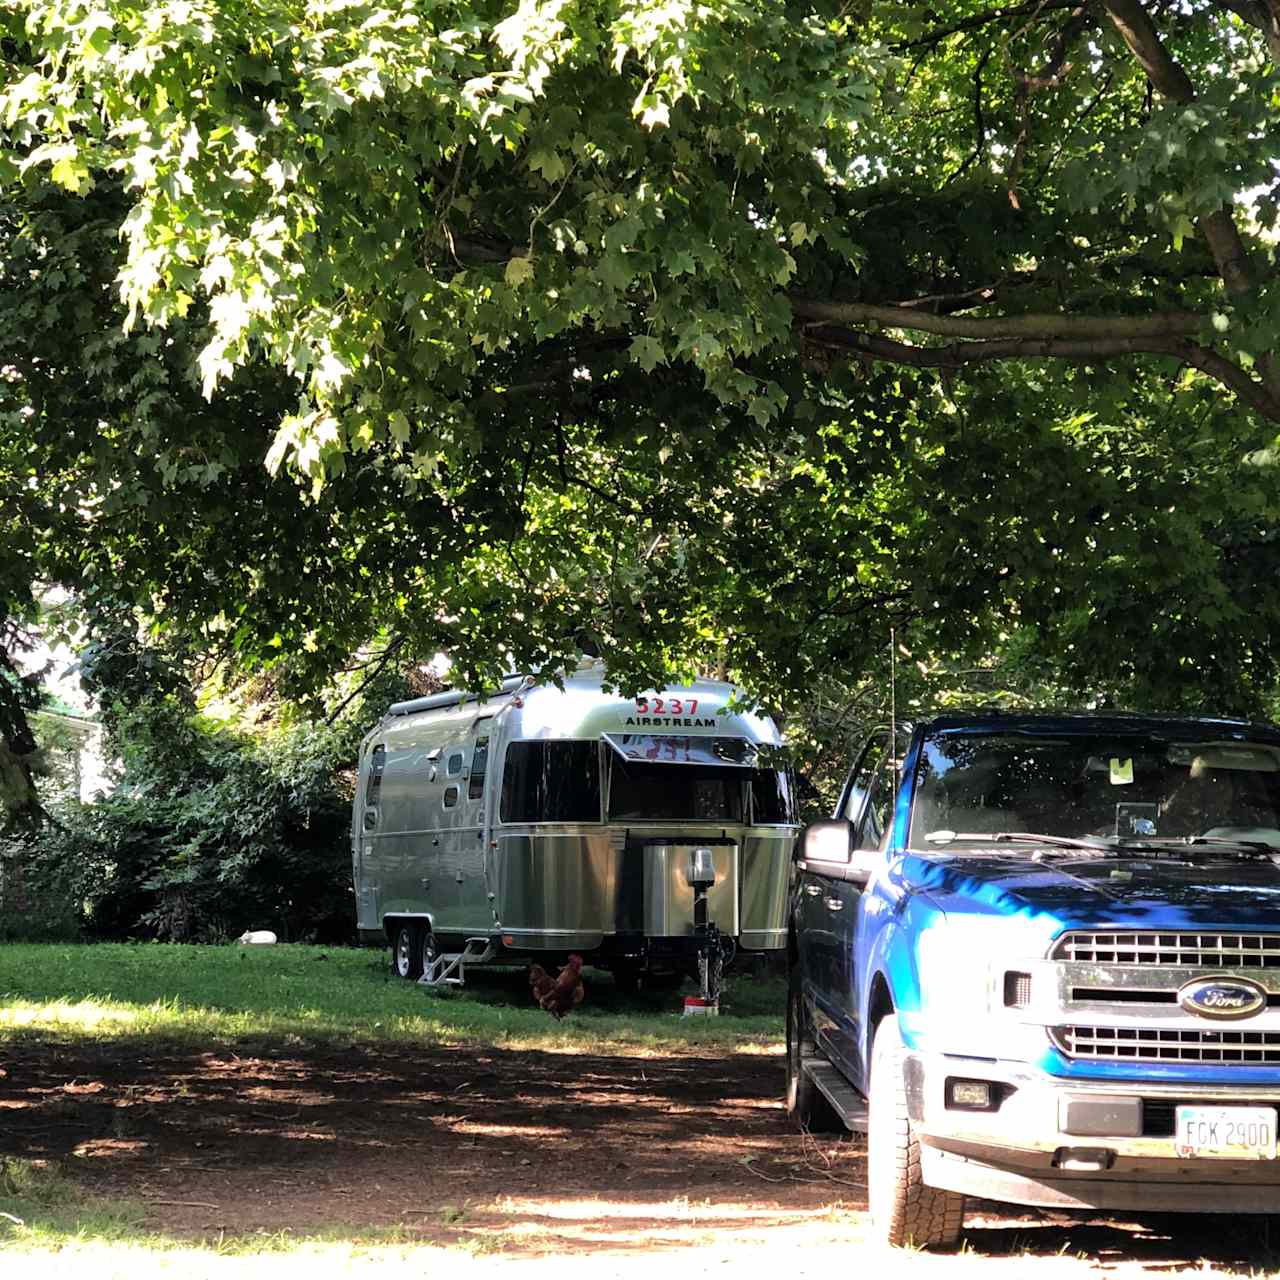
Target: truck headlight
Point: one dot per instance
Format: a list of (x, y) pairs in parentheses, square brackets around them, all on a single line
[(955, 974), (962, 963)]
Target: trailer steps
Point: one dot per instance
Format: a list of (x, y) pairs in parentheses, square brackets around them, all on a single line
[(449, 968), (850, 1105)]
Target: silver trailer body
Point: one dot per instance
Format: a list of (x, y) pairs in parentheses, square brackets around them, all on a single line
[(551, 820)]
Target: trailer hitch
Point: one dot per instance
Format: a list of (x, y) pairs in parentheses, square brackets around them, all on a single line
[(701, 875)]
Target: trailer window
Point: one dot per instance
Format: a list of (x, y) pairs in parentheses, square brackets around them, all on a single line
[(377, 762), (662, 792), (771, 800), (453, 766), (479, 763), (451, 795), (556, 781)]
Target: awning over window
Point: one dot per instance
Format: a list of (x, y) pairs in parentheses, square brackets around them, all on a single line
[(653, 748)]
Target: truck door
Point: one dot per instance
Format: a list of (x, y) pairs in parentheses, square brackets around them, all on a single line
[(847, 899), (824, 908)]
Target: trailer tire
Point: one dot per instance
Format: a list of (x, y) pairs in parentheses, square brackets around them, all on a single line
[(406, 951), (628, 979), (807, 1105), (428, 949), (904, 1211)]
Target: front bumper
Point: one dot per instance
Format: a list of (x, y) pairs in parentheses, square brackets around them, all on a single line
[(1072, 1145)]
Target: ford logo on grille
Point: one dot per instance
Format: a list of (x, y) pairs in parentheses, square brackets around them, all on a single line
[(1222, 997)]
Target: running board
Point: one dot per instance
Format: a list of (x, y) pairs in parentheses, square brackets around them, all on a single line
[(450, 968), (850, 1105)]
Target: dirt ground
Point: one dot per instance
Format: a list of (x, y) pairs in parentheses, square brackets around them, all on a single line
[(516, 1155)]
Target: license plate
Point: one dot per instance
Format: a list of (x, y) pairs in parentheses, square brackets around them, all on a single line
[(1226, 1133)]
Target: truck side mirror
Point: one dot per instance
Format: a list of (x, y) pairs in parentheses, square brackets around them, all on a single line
[(828, 843)]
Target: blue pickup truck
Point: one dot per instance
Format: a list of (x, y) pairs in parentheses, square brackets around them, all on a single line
[(1037, 960)]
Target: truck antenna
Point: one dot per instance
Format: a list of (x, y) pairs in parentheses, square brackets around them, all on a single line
[(893, 692)]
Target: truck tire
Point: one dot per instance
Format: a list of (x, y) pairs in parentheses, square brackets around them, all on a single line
[(904, 1211), (406, 952), (807, 1105)]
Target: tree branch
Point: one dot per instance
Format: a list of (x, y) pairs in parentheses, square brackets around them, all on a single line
[(1136, 29), (1263, 14), (379, 665), (1084, 350), (979, 123), (1030, 326), (1033, 8), (1049, 77), (1219, 227)]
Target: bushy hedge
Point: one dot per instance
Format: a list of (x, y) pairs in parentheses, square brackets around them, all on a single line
[(208, 832)]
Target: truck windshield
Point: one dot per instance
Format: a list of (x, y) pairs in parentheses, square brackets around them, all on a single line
[(1127, 786)]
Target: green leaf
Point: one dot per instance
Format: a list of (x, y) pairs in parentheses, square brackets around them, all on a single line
[(647, 353), (518, 271), (548, 163), (399, 427)]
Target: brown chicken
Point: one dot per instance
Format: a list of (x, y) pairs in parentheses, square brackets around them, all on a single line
[(565, 992), (541, 983)]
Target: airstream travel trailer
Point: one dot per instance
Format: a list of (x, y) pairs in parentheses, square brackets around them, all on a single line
[(541, 820)]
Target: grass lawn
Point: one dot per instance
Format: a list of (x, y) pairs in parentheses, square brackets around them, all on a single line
[(140, 1000), (232, 993), (45, 1220)]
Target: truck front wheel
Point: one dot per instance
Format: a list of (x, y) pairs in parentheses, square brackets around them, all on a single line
[(904, 1211), (806, 1104)]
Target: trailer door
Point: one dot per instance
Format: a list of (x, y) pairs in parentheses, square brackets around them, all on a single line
[(474, 910)]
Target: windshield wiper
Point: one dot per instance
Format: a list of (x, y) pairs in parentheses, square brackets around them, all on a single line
[(1015, 837), (1186, 842)]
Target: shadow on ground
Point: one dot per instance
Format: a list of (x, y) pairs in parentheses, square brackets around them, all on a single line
[(522, 1152)]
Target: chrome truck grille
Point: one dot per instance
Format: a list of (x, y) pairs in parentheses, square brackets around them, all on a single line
[(1130, 981), (1140, 1044), (1183, 950)]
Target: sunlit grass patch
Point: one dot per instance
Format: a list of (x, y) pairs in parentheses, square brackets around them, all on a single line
[(42, 1210), (39, 1204), (191, 994), (109, 1242)]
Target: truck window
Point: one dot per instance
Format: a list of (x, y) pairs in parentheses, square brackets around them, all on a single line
[(479, 763), (1101, 784), (664, 792), (551, 781), (373, 787), (863, 779), (879, 811), (451, 795), (453, 766)]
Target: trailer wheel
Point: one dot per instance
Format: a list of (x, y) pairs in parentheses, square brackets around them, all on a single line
[(406, 952), (807, 1105), (904, 1211), (428, 950), (629, 979)]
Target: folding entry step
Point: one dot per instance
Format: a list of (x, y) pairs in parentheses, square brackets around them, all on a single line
[(850, 1105), (449, 969)]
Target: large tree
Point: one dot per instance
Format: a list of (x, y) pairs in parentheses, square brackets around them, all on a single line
[(380, 197), (736, 330)]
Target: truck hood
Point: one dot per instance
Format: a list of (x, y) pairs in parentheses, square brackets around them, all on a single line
[(1055, 889)]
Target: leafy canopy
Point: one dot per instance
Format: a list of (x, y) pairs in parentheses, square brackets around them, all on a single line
[(732, 330)]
